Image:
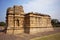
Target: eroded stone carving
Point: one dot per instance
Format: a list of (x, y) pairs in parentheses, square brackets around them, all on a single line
[(19, 22)]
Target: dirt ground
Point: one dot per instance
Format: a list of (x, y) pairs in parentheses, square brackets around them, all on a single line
[(24, 36)]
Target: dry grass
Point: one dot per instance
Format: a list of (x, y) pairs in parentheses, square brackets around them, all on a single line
[(49, 37)]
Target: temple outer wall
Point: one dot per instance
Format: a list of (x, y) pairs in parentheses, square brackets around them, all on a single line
[(38, 30), (15, 31)]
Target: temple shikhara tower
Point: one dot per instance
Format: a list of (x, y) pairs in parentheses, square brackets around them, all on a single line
[(20, 22)]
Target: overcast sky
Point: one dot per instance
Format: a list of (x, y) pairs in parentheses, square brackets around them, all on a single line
[(50, 7)]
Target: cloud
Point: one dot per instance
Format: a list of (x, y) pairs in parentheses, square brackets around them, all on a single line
[(37, 5), (43, 6)]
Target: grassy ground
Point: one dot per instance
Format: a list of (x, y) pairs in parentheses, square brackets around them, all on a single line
[(49, 37)]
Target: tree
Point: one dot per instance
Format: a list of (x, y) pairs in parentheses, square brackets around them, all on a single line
[(2, 23), (55, 23)]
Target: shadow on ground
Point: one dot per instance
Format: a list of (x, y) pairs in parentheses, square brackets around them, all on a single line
[(24, 36)]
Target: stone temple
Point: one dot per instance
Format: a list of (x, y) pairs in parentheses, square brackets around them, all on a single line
[(19, 22)]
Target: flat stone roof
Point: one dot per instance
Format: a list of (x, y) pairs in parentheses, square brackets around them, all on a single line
[(37, 14)]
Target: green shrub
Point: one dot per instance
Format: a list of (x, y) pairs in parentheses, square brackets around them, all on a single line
[(2, 23)]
